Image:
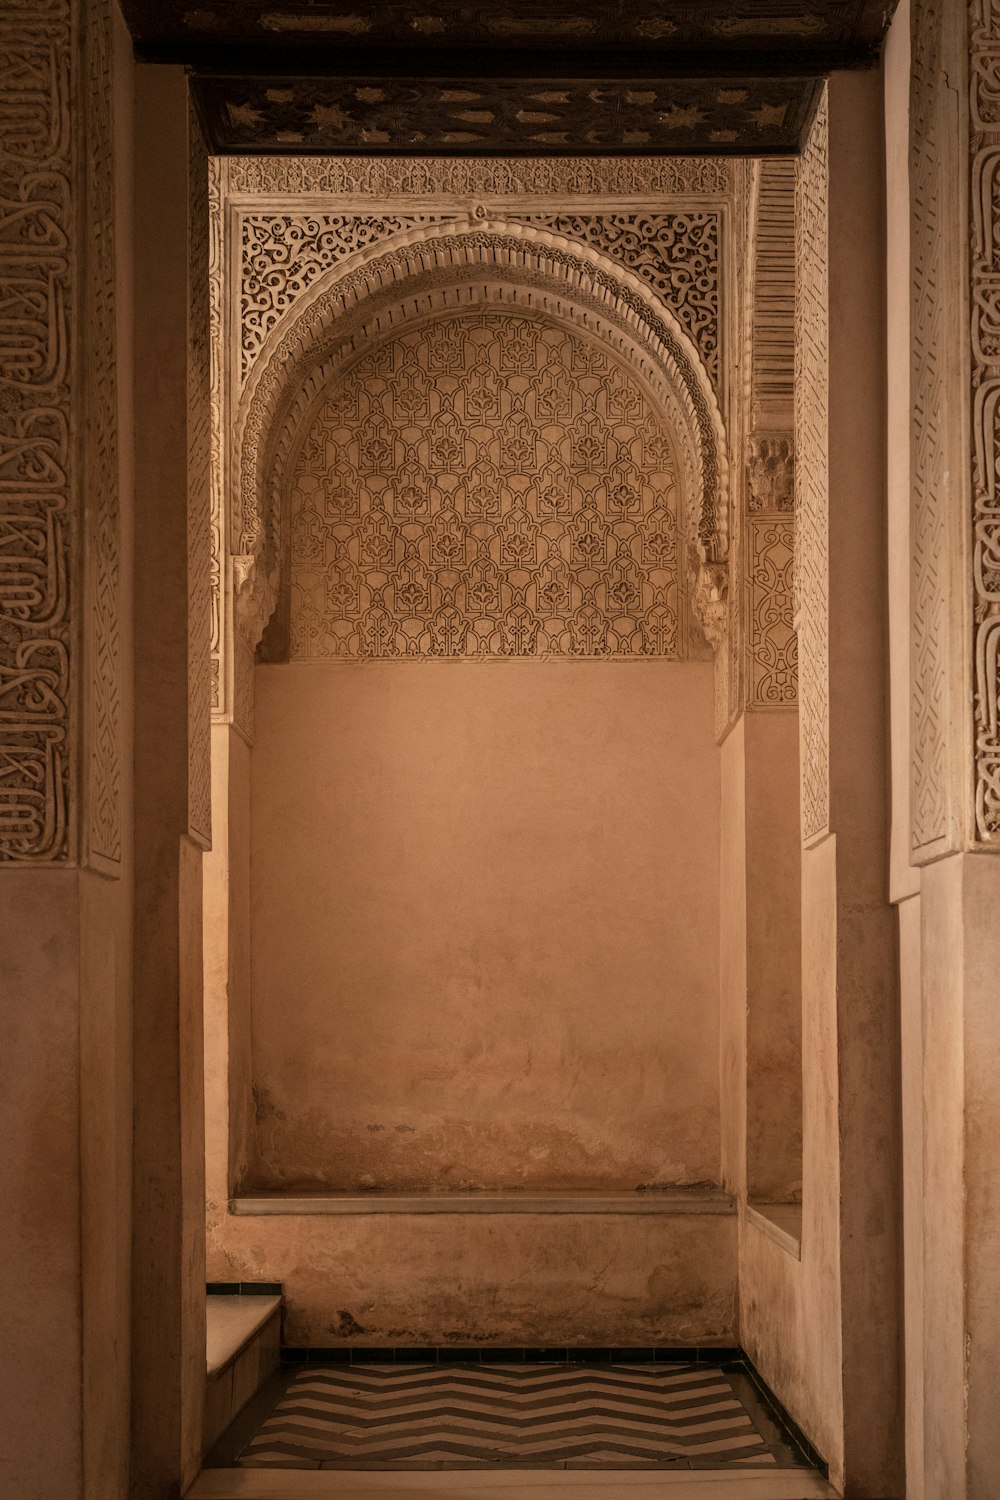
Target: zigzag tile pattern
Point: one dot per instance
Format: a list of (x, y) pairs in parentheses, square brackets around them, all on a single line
[(501, 1416)]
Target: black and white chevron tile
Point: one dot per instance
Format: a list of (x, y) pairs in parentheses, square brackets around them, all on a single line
[(500, 1416)]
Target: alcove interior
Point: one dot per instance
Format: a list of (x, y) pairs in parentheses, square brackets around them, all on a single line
[(481, 899)]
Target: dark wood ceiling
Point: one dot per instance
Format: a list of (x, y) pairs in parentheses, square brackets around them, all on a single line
[(516, 76)]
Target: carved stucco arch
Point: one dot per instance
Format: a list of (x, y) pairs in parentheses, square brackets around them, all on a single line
[(433, 269)]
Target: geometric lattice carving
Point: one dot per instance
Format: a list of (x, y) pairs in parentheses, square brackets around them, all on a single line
[(37, 469), (984, 117), (489, 484), (812, 479)]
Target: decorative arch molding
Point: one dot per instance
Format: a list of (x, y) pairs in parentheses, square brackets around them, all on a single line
[(434, 267)]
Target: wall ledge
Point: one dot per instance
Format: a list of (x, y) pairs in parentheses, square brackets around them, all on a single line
[(780, 1222), (662, 1201)]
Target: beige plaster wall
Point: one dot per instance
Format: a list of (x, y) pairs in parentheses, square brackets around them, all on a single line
[(485, 925), (168, 1349), (825, 1330), (503, 1279), (773, 957)]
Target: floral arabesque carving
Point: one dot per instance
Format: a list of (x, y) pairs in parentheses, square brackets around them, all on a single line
[(480, 178), (675, 252), (528, 266), (487, 484), (283, 254)]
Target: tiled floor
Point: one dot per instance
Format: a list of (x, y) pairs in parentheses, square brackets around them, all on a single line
[(501, 1417)]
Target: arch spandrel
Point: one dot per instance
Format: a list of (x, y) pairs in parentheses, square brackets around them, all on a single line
[(436, 268)]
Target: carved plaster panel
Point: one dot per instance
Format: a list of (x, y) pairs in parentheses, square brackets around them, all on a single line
[(101, 521), (477, 179), (773, 359), (771, 472), (487, 485), (37, 468), (984, 79), (772, 644), (525, 266), (935, 240), (812, 479), (200, 436), (676, 253)]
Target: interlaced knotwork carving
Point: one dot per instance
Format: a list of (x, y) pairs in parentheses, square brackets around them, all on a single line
[(675, 253), (771, 638), (812, 479), (37, 469), (490, 484), (984, 114)]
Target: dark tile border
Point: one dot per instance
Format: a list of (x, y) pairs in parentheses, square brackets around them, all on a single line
[(790, 1430), (244, 1288), (571, 1354)]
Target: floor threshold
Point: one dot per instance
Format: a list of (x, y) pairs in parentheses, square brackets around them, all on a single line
[(292, 1484)]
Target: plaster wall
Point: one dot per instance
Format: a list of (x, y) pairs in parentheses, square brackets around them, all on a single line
[(65, 1033), (168, 1349), (514, 1279), (825, 1330), (485, 925), (790, 1309), (773, 957)]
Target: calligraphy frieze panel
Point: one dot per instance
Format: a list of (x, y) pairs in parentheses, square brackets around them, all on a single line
[(490, 484), (36, 459)]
